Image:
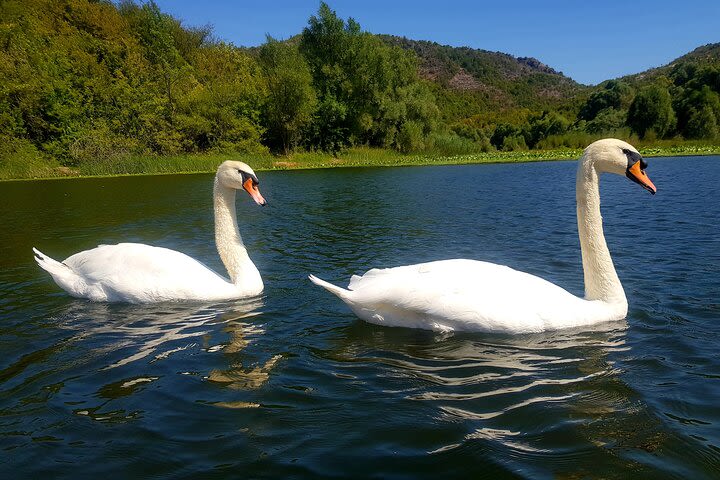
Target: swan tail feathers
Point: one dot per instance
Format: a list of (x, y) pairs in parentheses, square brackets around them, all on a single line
[(53, 267), (335, 290), (63, 275)]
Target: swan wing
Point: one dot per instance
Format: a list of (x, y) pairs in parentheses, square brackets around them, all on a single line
[(466, 295), (139, 273)]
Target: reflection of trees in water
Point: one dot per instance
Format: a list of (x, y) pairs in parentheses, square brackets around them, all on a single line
[(151, 331), (236, 376), (145, 329)]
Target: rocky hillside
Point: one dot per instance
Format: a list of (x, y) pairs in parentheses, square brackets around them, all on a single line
[(503, 81)]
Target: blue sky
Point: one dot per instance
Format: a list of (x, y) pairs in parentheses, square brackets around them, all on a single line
[(590, 41)]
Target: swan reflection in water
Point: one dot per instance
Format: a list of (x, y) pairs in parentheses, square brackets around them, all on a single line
[(125, 334), (514, 391)]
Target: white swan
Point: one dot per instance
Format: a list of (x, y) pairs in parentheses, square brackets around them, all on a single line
[(137, 273), (470, 295)]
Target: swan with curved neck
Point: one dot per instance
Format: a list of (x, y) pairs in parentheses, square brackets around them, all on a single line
[(138, 273), (469, 295)]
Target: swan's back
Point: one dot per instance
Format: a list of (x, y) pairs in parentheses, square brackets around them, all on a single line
[(467, 295), (471, 295), (137, 273)]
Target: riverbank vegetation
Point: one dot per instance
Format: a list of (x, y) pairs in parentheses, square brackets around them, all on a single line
[(351, 157), (96, 87)]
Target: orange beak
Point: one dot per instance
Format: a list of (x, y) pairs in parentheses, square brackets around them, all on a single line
[(252, 189), (638, 175)]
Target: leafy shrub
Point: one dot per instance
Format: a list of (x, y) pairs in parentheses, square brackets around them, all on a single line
[(100, 144), (452, 144), (514, 142), (702, 124), (19, 158), (652, 110), (410, 137), (606, 120)]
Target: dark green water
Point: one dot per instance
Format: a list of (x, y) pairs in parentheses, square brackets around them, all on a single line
[(291, 385)]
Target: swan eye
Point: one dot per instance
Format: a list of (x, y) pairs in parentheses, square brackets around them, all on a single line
[(246, 175), (633, 158)]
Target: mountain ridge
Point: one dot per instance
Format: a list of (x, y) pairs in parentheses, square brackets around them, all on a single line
[(523, 66), (525, 81), (704, 55)]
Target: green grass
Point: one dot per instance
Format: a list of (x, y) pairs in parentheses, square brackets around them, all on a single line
[(34, 167)]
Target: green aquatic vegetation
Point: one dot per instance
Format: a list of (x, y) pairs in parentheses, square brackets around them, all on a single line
[(354, 157)]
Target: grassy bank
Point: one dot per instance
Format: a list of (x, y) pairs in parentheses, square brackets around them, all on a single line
[(35, 168)]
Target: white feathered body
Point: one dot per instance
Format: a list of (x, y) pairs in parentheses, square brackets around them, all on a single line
[(468, 295), (138, 273)]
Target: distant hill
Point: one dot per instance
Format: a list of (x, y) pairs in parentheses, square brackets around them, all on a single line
[(86, 82), (704, 56), (488, 88), (498, 79), (707, 54)]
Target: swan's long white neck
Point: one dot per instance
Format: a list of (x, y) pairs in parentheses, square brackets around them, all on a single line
[(227, 237), (601, 280)]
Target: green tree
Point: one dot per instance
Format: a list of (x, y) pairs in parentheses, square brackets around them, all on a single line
[(614, 94), (291, 99), (514, 142), (501, 132), (695, 102), (410, 137), (223, 110), (366, 89), (544, 125), (157, 34), (702, 124), (606, 121), (325, 44), (652, 110), (328, 129)]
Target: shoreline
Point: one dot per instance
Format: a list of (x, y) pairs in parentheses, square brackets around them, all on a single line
[(354, 158)]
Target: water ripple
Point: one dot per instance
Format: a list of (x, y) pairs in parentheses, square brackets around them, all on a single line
[(292, 385)]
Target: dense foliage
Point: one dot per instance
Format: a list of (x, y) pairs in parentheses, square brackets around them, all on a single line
[(86, 81), (369, 93), (492, 95), (91, 81)]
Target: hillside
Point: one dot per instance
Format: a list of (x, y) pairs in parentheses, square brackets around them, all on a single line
[(702, 57), (496, 95), (680, 99), (97, 83), (503, 81)]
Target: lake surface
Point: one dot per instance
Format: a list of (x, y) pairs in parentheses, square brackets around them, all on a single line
[(292, 385)]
